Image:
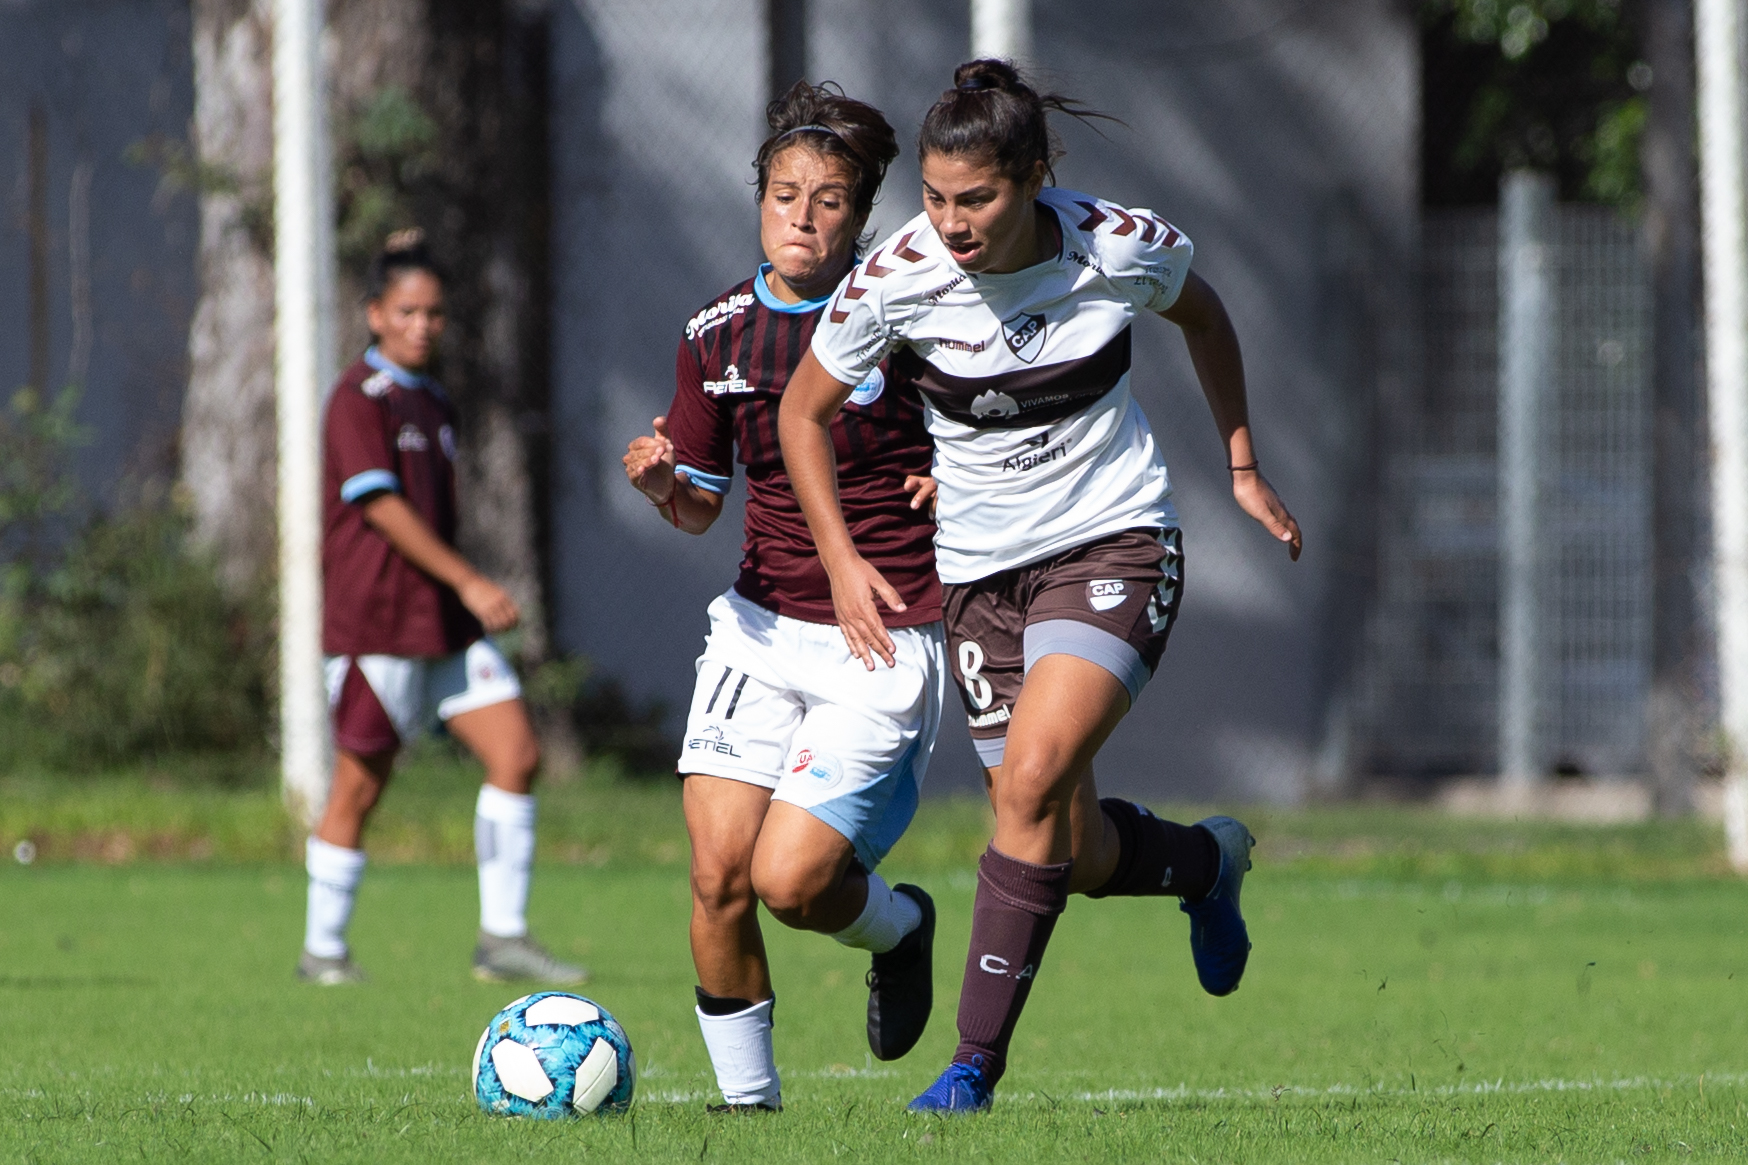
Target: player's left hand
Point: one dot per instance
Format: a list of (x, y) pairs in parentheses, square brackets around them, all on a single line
[(923, 492), (490, 603), (1256, 497), (856, 584)]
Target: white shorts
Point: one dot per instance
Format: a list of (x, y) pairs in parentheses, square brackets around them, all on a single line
[(782, 704), (410, 693)]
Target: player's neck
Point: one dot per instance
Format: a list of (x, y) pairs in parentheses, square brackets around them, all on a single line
[(788, 292)]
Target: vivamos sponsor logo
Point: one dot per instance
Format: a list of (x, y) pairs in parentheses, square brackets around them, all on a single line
[(870, 389)]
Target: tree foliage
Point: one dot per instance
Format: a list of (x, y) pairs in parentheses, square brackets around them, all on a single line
[(1553, 84)]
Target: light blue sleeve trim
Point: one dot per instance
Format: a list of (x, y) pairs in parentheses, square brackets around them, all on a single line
[(369, 482), (715, 483)]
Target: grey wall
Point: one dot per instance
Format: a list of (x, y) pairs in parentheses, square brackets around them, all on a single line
[(1281, 136), (106, 74)]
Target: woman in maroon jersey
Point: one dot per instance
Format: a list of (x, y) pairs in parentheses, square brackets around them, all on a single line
[(404, 624), (801, 767)]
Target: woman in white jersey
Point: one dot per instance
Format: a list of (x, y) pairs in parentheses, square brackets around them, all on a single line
[(1007, 304)]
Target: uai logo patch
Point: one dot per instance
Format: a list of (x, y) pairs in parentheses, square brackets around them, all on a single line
[(870, 389), (821, 766)]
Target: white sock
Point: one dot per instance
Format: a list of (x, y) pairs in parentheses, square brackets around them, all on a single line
[(887, 918), (334, 875), (740, 1051), (503, 840)]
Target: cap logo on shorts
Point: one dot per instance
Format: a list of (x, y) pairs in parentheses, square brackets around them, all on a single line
[(1105, 593)]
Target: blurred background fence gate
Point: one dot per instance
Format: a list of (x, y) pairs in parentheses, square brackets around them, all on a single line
[(1434, 667)]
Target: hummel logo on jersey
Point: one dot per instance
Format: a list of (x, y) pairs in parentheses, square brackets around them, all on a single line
[(719, 312), (412, 439), (376, 387), (991, 403), (1105, 593), (1024, 334), (731, 382)]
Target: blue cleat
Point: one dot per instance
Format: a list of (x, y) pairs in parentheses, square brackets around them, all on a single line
[(962, 1088), (1218, 938)]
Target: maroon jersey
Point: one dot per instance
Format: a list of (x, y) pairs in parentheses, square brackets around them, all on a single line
[(387, 430), (734, 361)]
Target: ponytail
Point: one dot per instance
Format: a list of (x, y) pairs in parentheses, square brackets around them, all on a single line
[(991, 113)]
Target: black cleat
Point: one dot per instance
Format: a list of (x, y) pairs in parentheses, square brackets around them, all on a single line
[(901, 985), (741, 1109)]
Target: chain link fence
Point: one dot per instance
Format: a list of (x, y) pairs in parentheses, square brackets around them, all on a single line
[(1435, 653)]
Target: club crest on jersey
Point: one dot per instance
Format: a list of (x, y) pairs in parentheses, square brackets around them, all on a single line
[(731, 382), (990, 404), (870, 389), (1025, 335), (1105, 593), (446, 441), (412, 439)]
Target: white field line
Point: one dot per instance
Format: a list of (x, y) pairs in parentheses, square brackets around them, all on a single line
[(1479, 1087)]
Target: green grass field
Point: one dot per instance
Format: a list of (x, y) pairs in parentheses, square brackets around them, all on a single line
[(1421, 990)]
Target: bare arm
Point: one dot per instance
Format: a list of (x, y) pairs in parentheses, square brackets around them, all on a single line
[(412, 537), (810, 401), (1213, 345), (649, 466)]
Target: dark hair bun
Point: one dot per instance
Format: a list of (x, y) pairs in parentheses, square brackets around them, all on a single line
[(992, 114), (402, 252), (989, 73), (405, 242)]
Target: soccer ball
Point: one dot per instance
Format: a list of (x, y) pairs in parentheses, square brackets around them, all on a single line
[(553, 1055)]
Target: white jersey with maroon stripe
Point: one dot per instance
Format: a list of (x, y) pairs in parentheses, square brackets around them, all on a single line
[(1039, 445)]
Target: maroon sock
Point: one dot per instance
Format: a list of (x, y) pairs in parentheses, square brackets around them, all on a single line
[(1156, 857), (1011, 920)]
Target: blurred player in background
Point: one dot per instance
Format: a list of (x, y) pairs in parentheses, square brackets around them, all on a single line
[(801, 768), (405, 619), (1008, 305)]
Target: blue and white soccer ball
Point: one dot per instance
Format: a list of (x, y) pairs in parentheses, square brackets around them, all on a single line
[(553, 1055)]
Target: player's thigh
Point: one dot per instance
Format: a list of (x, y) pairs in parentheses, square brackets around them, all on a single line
[(859, 759), (476, 694), (724, 817), (798, 857), (985, 642), (1066, 711)]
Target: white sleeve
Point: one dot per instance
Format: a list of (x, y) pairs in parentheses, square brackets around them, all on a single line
[(1149, 261), (856, 331)]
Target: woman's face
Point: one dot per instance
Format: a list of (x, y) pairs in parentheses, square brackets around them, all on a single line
[(807, 220), (984, 217), (408, 318)]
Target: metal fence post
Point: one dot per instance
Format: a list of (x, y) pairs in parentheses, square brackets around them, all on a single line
[(303, 265), (1527, 340), (1001, 28), (1724, 254)]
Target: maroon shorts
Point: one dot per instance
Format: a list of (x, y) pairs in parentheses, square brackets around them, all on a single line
[(1111, 601)]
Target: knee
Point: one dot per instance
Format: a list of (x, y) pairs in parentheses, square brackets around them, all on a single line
[(720, 890), (1029, 789), (789, 891)]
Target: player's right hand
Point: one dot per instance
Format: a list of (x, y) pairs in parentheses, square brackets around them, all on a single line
[(490, 603), (855, 584), (649, 464)]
